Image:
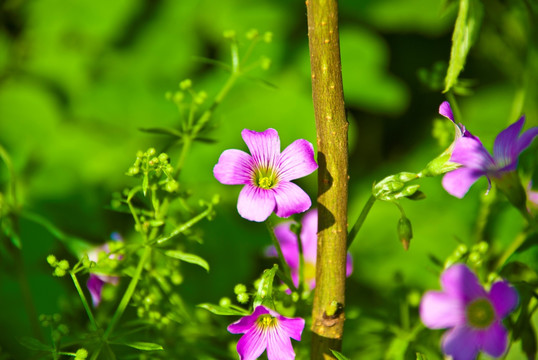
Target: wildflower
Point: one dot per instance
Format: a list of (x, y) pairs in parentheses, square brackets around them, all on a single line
[(290, 250), (267, 329), (474, 315), (476, 161), (97, 280), (460, 130), (267, 175)]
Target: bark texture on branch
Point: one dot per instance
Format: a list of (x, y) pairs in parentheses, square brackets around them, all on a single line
[(331, 124)]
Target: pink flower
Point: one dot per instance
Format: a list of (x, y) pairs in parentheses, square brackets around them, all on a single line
[(474, 315), (309, 240), (267, 174), (267, 329), (97, 280)]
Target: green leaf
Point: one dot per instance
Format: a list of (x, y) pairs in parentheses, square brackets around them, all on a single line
[(141, 345), (264, 295), (145, 183), (421, 356), (338, 355), (190, 258), (221, 310), (465, 33), (34, 344)]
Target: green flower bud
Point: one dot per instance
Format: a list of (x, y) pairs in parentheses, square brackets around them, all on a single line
[(405, 232), (51, 259), (268, 37), (242, 298), (171, 186), (228, 34), (265, 63), (409, 190), (200, 97), (163, 157), (59, 272), (62, 328), (225, 302), (133, 170), (252, 34), (185, 84), (151, 152), (82, 353), (482, 247), (63, 264), (239, 289), (178, 97)]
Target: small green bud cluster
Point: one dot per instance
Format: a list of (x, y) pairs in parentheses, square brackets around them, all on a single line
[(241, 291), (185, 86), (149, 162), (439, 166), (457, 255), (60, 267), (81, 354), (477, 253), (394, 187), (58, 329)]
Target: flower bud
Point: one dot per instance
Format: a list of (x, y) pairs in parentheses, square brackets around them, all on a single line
[(185, 84), (439, 166), (224, 302), (252, 34), (51, 259), (242, 298), (240, 289), (405, 232), (81, 354), (63, 264), (268, 37)]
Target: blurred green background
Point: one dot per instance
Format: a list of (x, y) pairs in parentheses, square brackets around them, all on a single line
[(78, 79)]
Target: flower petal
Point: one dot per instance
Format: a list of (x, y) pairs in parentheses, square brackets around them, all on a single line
[(503, 297), (252, 344), (264, 146), (526, 139), (458, 182), (292, 327), (461, 343), (290, 199), (235, 167), (297, 160), (469, 152), (309, 235), (461, 283), (247, 322), (446, 110), (255, 204), (349, 265), (95, 286), (288, 244), (493, 341), (505, 148), (439, 310), (279, 346)]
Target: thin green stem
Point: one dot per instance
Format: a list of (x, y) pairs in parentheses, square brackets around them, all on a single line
[(12, 178), (181, 228), (285, 266), (84, 301), (358, 224), (518, 241), (128, 293), (302, 284)]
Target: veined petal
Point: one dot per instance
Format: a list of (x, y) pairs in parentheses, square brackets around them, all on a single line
[(446, 110), (292, 327), (279, 345), (469, 152), (505, 148), (235, 167), (248, 322), (95, 286), (526, 139), (252, 344), (461, 343), (461, 283), (493, 340), (255, 204), (309, 235), (458, 182), (439, 310), (290, 199), (288, 244), (297, 160), (264, 146), (503, 297)]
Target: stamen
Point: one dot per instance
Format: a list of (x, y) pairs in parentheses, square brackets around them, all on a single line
[(265, 183), (266, 321)]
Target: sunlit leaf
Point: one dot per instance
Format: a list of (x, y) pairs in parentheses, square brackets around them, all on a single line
[(221, 310), (141, 345), (190, 258), (264, 294), (338, 355)]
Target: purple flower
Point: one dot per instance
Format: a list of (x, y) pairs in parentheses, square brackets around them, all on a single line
[(461, 131), (532, 195), (267, 329), (474, 315), (267, 175), (476, 161), (309, 240), (97, 280)]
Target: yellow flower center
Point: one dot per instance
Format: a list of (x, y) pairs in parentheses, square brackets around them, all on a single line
[(480, 313), (265, 178), (265, 183), (267, 321)]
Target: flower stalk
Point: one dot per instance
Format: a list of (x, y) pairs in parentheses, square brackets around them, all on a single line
[(332, 128)]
